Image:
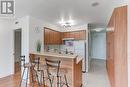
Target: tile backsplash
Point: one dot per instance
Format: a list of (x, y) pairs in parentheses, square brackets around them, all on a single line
[(59, 48)]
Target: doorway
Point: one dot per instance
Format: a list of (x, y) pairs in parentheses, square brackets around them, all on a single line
[(17, 50), (97, 59)]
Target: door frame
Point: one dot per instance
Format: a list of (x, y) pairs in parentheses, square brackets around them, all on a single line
[(14, 31)]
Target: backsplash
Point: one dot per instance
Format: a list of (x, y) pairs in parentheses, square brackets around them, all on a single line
[(59, 48), (69, 48)]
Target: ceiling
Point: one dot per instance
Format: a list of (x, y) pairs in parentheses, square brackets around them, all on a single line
[(81, 11)]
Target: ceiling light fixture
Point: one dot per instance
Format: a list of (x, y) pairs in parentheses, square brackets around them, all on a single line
[(66, 24)]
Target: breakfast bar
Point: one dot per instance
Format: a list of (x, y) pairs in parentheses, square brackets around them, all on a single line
[(72, 62)]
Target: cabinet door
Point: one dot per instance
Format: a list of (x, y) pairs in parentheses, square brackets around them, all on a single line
[(71, 34), (46, 36), (82, 35), (52, 37), (76, 35), (66, 35), (59, 38), (56, 37)]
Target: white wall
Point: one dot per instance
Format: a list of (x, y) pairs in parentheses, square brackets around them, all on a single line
[(7, 27), (38, 34), (48, 25), (36, 28), (6, 47), (98, 45)]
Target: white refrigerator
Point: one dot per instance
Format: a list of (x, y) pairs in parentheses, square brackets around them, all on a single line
[(80, 48)]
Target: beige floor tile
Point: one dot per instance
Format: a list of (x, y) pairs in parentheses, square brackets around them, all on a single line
[(97, 75)]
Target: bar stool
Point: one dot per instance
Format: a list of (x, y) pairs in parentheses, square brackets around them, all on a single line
[(40, 67), (30, 68), (54, 70)]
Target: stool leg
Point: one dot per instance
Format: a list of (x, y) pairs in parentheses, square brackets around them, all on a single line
[(57, 81), (43, 79), (37, 78), (27, 78), (50, 80), (41, 75), (66, 81), (32, 77), (22, 78), (60, 82)]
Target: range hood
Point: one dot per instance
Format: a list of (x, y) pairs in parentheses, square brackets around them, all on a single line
[(68, 38)]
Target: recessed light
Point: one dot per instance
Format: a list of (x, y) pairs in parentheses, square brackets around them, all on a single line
[(95, 4)]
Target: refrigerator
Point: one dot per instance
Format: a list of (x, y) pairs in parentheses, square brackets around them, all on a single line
[(80, 48)]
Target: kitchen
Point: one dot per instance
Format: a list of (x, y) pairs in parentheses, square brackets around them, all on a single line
[(69, 47), (81, 38)]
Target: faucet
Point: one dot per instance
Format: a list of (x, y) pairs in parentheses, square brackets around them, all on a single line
[(66, 51), (48, 49)]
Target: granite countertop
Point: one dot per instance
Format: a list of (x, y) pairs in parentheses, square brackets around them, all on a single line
[(51, 54)]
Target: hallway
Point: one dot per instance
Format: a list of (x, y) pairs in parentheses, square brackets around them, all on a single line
[(97, 76)]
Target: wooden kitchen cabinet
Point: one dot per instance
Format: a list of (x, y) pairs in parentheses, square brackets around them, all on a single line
[(79, 35), (56, 37), (46, 36), (66, 35), (71, 34), (51, 36), (117, 48), (83, 35)]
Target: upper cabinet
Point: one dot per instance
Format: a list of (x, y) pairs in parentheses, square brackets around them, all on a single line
[(52, 36), (56, 37), (77, 35)]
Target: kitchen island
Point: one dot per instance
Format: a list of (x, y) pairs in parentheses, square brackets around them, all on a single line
[(72, 62)]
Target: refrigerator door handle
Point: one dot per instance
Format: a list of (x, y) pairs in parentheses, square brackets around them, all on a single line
[(85, 60)]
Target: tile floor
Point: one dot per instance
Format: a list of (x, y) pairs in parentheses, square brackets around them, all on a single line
[(97, 75)]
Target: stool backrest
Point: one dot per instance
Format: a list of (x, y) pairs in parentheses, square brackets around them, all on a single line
[(53, 64), (35, 61), (22, 59)]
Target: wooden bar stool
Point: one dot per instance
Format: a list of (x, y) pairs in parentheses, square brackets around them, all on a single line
[(29, 67), (54, 70)]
